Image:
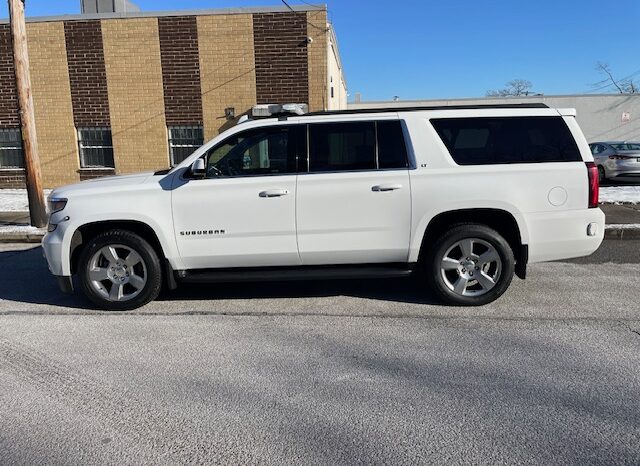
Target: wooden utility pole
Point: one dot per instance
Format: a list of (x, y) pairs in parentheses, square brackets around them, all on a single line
[(37, 208)]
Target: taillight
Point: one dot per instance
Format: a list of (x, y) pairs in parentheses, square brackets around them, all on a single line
[(594, 184), (620, 157)]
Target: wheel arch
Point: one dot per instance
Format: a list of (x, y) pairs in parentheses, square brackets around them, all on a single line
[(85, 232), (503, 221)]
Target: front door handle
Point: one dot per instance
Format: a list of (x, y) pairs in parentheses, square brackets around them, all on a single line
[(274, 193), (386, 187)]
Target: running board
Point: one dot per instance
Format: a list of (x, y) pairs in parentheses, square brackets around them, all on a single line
[(261, 274)]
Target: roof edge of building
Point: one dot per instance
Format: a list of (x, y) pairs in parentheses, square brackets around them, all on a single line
[(154, 14), (461, 99)]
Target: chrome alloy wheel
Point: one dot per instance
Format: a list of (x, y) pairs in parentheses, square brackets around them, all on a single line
[(471, 267), (117, 273)]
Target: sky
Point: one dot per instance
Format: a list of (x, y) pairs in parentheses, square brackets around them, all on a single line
[(458, 48)]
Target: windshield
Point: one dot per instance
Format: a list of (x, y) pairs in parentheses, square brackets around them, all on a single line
[(626, 146)]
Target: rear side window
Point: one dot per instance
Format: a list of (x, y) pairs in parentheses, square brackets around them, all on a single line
[(392, 150), (342, 146), (348, 146), (481, 141)]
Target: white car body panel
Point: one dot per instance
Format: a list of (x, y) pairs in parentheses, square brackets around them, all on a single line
[(342, 220), (336, 218), (264, 235)]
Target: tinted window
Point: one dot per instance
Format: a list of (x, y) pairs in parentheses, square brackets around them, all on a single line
[(262, 151), (626, 146), (477, 141), (392, 150), (342, 146)]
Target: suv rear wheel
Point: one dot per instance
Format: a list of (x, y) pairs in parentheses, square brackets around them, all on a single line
[(119, 271), (470, 265)]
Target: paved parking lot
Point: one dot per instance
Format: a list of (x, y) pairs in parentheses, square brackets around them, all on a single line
[(325, 373)]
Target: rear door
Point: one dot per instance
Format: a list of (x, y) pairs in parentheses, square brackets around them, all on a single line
[(354, 202)]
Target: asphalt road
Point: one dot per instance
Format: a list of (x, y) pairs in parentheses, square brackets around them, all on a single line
[(363, 372)]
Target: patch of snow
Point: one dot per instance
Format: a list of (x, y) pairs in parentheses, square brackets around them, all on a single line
[(21, 230), (15, 200), (620, 194), (623, 226)]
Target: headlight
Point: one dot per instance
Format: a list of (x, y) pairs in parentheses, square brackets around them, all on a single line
[(56, 205)]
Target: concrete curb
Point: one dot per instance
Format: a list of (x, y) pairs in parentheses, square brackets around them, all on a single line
[(21, 237), (613, 232)]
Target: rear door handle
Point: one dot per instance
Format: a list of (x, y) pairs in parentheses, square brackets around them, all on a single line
[(274, 193), (386, 187)]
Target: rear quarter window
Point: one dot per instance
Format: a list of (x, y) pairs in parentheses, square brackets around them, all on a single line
[(504, 140)]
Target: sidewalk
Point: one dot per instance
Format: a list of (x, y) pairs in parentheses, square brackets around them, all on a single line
[(15, 228), (623, 222)]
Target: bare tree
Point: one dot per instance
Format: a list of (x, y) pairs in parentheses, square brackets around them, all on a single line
[(623, 86), (515, 88)]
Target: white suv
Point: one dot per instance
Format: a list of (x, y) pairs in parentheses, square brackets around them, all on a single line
[(467, 196)]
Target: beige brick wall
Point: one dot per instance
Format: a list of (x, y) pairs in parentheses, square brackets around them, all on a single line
[(317, 56), (136, 102), (227, 68), (57, 142)]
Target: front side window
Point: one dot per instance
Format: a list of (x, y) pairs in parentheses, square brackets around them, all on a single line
[(11, 154), (183, 140), (261, 151), (502, 140), (96, 147)]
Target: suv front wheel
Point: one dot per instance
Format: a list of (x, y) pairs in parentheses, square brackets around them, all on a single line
[(470, 265), (119, 271)]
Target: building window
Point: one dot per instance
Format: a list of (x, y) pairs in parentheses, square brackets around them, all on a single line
[(183, 140), (96, 148), (11, 154)]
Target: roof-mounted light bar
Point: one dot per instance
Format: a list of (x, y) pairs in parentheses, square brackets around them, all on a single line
[(276, 110)]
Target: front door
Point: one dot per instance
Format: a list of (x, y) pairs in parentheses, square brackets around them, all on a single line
[(354, 204), (243, 212)]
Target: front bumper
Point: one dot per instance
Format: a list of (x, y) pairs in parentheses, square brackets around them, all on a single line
[(52, 248), (65, 283)]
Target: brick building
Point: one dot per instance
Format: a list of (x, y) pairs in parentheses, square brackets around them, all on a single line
[(128, 92)]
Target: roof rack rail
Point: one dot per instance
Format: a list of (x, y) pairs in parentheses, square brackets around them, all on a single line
[(416, 109)]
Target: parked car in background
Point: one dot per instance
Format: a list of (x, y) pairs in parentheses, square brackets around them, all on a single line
[(617, 159)]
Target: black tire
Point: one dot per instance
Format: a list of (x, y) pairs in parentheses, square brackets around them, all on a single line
[(441, 281), (149, 268), (602, 175)]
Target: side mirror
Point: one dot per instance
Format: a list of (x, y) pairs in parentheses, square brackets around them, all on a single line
[(198, 168)]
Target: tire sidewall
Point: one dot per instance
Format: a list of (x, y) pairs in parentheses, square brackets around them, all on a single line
[(455, 234), (146, 252)]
